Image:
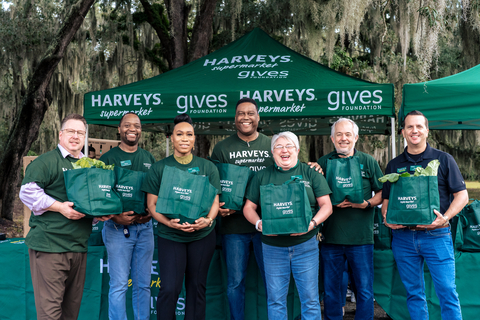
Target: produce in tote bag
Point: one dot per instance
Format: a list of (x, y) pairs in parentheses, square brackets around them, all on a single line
[(128, 185), (468, 228), (345, 179), (90, 188), (184, 195), (234, 180), (413, 198), (285, 208)]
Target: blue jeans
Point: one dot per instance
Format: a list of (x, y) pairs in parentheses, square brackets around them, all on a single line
[(135, 252), (301, 260), (360, 260), (236, 249), (410, 249)]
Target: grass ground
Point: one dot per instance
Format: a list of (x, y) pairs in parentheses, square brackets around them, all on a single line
[(473, 188)]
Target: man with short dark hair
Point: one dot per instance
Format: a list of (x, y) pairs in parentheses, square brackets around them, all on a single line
[(247, 147), (128, 237), (348, 231), (414, 245), (58, 236)]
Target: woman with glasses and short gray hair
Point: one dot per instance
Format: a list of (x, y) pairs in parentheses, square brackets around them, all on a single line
[(291, 251)]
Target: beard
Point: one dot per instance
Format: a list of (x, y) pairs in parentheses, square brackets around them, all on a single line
[(129, 142)]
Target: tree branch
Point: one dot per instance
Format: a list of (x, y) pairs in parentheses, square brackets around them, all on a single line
[(34, 105)]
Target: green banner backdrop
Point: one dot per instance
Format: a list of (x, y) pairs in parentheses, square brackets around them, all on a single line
[(293, 92)]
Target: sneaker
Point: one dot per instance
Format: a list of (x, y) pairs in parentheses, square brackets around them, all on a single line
[(349, 293)]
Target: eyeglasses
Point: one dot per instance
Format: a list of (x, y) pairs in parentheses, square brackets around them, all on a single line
[(71, 133), (280, 147)]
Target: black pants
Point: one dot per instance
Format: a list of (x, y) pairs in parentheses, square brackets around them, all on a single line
[(176, 260)]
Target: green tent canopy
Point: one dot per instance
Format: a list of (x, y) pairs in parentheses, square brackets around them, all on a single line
[(449, 103), (294, 93)]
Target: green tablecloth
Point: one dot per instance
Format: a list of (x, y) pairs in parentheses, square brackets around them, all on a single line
[(17, 300), (390, 293)]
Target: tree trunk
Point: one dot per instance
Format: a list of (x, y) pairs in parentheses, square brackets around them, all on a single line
[(34, 105), (175, 42), (202, 30)]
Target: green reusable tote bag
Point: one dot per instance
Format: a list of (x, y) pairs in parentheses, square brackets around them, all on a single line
[(382, 235), (412, 201), (468, 228), (234, 180), (345, 180), (128, 185), (91, 190), (184, 195), (285, 208)]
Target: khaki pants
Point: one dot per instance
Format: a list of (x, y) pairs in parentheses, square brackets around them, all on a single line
[(58, 280)]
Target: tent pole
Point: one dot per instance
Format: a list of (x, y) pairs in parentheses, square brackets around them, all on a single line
[(167, 149), (394, 150), (85, 147)]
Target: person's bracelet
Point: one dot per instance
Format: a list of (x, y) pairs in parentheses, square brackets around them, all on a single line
[(211, 221), (446, 220), (314, 223), (256, 224)]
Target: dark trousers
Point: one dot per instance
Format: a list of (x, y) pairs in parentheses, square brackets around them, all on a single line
[(176, 260), (58, 280)]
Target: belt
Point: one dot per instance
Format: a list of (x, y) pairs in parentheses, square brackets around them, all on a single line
[(137, 223), (415, 228)]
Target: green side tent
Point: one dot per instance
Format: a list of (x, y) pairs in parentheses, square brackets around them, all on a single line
[(449, 103), (294, 93)]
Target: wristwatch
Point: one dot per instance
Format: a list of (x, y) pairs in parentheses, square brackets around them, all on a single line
[(369, 205), (211, 221)]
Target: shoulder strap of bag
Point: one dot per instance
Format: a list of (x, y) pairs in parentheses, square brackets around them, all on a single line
[(292, 179)]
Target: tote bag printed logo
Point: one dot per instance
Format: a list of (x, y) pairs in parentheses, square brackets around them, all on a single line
[(184, 193), (409, 202), (475, 229), (126, 191), (226, 185), (344, 182), (104, 187), (284, 206)]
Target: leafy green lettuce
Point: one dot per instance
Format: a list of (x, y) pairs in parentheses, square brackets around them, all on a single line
[(430, 170), (86, 162)]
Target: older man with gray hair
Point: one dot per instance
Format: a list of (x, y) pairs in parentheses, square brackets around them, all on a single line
[(352, 176)]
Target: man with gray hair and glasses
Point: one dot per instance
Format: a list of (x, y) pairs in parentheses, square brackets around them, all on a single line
[(58, 236), (352, 176)]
